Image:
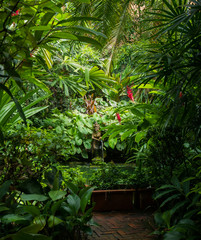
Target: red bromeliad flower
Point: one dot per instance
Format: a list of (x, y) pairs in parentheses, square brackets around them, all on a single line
[(118, 117), (130, 93), (180, 94), (16, 13)]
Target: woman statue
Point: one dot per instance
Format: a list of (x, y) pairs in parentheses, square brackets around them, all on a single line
[(97, 144)]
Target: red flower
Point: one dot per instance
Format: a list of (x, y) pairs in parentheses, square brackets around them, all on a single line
[(130, 93), (180, 94), (16, 13), (118, 117)]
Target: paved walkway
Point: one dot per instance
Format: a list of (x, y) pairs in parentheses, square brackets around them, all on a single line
[(123, 225)]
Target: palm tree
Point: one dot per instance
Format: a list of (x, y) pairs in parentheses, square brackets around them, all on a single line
[(174, 61), (115, 17)]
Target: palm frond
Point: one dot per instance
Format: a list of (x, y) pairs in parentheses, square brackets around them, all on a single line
[(116, 34)]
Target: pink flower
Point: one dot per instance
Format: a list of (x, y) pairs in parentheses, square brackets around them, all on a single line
[(16, 13), (118, 117), (130, 93)]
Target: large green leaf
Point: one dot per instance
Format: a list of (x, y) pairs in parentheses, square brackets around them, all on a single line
[(89, 40), (87, 30), (115, 133), (3, 208), (167, 218), (139, 136), (78, 140), (56, 205), (63, 35), (28, 113), (72, 187), (121, 146), (29, 232), (41, 28), (9, 218), (39, 84), (180, 205), (33, 197), (53, 221), (30, 236), (32, 229), (176, 183), (47, 57), (87, 144), (4, 188), (13, 74), (137, 112), (87, 77), (172, 197), (44, 22), (40, 220), (186, 187), (18, 106), (74, 203), (33, 210), (6, 112), (30, 186), (78, 19), (112, 142), (56, 195), (85, 154), (127, 134), (162, 194), (86, 197)]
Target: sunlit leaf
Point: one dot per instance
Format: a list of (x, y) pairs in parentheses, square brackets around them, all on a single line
[(56, 195)]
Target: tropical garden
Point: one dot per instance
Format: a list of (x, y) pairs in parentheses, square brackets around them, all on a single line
[(98, 95)]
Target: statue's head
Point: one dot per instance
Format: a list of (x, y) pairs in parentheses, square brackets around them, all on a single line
[(96, 127)]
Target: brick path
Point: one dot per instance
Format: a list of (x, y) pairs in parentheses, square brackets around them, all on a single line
[(123, 225)]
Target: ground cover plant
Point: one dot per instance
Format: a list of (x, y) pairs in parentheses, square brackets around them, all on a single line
[(130, 67), (48, 213)]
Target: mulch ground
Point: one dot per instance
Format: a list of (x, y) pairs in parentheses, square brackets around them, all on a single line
[(123, 225)]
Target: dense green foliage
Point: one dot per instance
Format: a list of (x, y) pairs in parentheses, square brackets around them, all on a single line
[(139, 80), (55, 213), (107, 175)]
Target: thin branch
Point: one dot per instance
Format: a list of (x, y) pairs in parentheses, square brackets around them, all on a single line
[(4, 23)]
